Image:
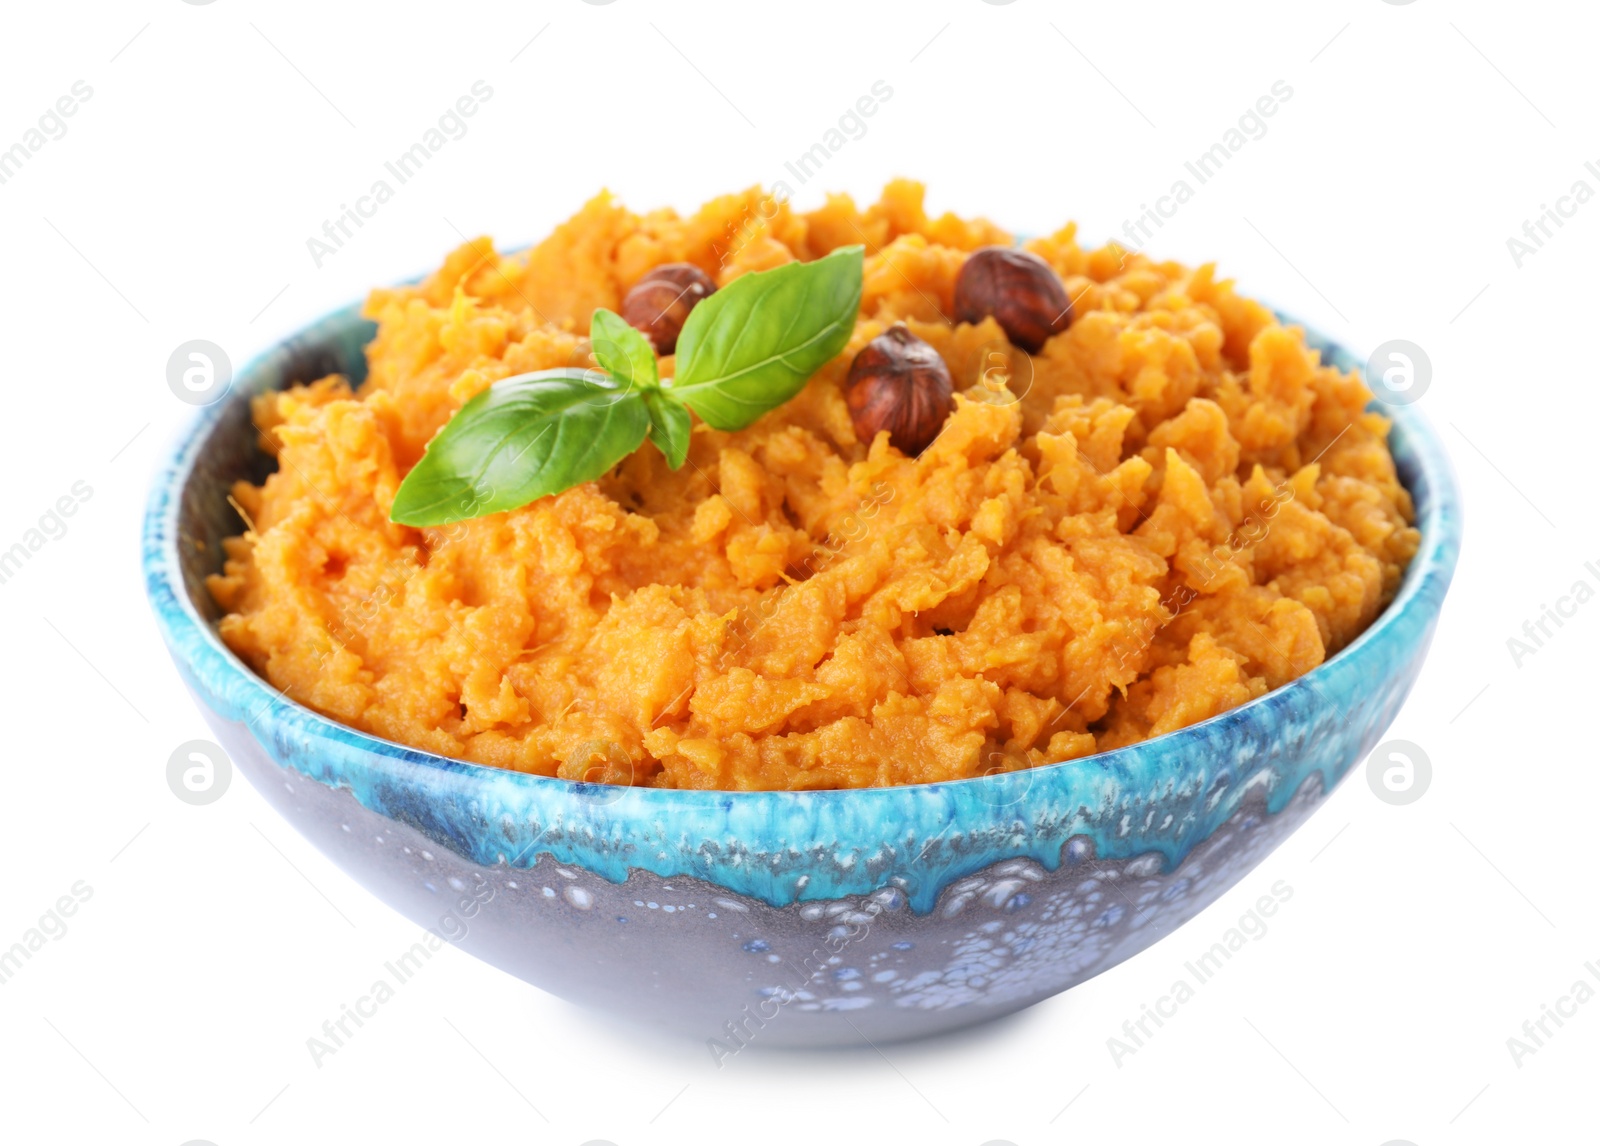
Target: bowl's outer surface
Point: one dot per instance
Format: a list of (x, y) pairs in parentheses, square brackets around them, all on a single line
[(780, 918)]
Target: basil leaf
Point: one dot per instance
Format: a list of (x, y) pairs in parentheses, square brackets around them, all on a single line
[(752, 345), (519, 440), (669, 426), (624, 353)]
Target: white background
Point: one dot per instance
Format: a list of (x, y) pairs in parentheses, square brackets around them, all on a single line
[(219, 137)]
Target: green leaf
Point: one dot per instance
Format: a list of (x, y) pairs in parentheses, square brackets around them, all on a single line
[(625, 353), (753, 345), (519, 440), (669, 426), (745, 350)]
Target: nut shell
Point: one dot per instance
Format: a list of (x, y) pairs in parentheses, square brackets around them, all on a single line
[(1018, 289), (899, 383), (660, 302)]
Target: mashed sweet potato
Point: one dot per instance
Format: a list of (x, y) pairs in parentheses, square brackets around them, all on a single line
[(1168, 511)]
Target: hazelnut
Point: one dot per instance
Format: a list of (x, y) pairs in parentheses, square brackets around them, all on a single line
[(900, 384), (1020, 290), (660, 302)]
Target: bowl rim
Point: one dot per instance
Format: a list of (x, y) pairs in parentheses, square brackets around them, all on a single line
[(198, 649)]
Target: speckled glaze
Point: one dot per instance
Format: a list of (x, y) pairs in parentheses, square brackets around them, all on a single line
[(777, 918)]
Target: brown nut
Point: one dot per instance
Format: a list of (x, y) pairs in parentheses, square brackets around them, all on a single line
[(1020, 290), (900, 384), (659, 304)]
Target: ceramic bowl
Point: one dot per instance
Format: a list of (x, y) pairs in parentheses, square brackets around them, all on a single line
[(778, 918)]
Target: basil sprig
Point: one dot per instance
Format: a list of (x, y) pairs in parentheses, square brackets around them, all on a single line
[(744, 350)]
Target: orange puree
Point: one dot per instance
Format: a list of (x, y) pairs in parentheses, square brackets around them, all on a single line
[(1183, 510)]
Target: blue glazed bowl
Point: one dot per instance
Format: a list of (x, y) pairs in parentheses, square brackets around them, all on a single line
[(779, 918)]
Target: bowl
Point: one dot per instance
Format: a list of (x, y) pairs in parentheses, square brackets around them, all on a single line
[(784, 918)]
